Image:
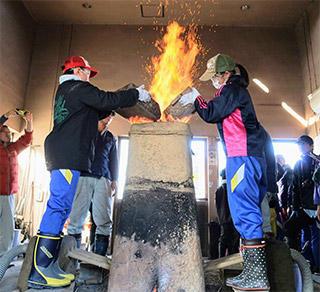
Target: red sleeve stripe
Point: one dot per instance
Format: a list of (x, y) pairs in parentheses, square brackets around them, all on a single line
[(202, 102)]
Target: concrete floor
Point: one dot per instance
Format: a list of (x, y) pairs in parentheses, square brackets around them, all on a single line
[(9, 281)]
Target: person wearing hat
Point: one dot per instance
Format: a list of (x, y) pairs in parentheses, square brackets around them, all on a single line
[(69, 149), (304, 204), (96, 188), (243, 139)]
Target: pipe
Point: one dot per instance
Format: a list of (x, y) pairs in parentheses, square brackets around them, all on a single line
[(7, 257)]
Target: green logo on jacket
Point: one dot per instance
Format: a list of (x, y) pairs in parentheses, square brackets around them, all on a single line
[(60, 112)]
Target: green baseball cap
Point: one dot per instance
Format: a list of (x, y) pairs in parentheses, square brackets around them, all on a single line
[(218, 64)]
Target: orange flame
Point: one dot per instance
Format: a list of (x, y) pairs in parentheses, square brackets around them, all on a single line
[(139, 120), (173, 69)]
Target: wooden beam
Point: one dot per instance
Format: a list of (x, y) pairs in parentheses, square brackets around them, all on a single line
[(90, 258), (223, 263)]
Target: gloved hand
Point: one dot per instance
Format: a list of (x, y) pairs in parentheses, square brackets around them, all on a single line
[(189, 97), (144, 95)]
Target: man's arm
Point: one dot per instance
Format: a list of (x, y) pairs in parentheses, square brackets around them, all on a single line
[(25, 140), (106, 100), (7, 115)]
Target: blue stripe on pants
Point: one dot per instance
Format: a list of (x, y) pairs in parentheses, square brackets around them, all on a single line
[(62, 190), (246, 184)]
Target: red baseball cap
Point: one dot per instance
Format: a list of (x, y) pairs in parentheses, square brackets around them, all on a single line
[(78, 61)]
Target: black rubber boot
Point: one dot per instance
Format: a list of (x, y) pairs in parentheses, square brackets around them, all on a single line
[(255, 267), (56, 266), (101, 244), (43, 272)]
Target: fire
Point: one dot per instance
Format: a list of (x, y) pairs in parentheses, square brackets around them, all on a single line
[(173, 69), (139, 120)]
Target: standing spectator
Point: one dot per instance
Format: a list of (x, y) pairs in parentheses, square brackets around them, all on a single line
[(303, 202), (9, 175), (97, 187), (229, 237), (69, 149), (284, 182)]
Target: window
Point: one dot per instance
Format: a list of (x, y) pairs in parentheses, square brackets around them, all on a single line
[(123, 162), (199, 165), (288, 148)]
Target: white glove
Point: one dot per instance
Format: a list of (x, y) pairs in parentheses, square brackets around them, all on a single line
[(144, 95), (189, 97)]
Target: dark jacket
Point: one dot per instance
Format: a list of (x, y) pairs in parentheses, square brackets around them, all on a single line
[(233, 111), (284, 182), (303, 185), (70, 144), (105, 161), (271, 163), (222, 205)]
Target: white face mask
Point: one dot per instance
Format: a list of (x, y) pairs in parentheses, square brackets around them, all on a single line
[(215, 83)]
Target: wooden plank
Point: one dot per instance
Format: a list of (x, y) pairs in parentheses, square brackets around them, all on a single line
[(26, 266), (223, 263), (90, 258)]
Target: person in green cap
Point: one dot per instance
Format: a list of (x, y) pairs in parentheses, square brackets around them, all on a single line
[(243, 139)]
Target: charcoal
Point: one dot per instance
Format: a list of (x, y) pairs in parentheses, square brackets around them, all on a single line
[(147, 110), (177, 110)]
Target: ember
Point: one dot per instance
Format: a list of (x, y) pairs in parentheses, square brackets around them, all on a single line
[(139, 120)]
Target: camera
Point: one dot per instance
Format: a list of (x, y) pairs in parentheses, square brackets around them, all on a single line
[(21, 112)]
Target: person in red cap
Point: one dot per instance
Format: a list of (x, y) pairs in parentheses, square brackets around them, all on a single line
[(69, 150)]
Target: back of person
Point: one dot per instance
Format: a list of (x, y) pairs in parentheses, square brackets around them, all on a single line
[(70, 145), (303, 186)]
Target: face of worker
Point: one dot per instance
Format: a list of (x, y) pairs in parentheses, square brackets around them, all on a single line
[(5, 135), (219, 80), (305, 147), (82, 73)]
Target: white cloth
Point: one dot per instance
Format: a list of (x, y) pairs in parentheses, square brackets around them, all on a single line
[(6, 222), (67, 77), (189, 97), (144, 95)]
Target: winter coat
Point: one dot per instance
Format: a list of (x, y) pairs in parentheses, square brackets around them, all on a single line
[(105, 161), (232, 109), (77, 110), (9, 163), (303, 185)]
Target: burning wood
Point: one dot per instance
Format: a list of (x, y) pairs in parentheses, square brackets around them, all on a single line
[(142, 112), (177, 112)]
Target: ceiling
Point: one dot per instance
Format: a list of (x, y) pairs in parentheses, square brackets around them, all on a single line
[(203, 12)]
